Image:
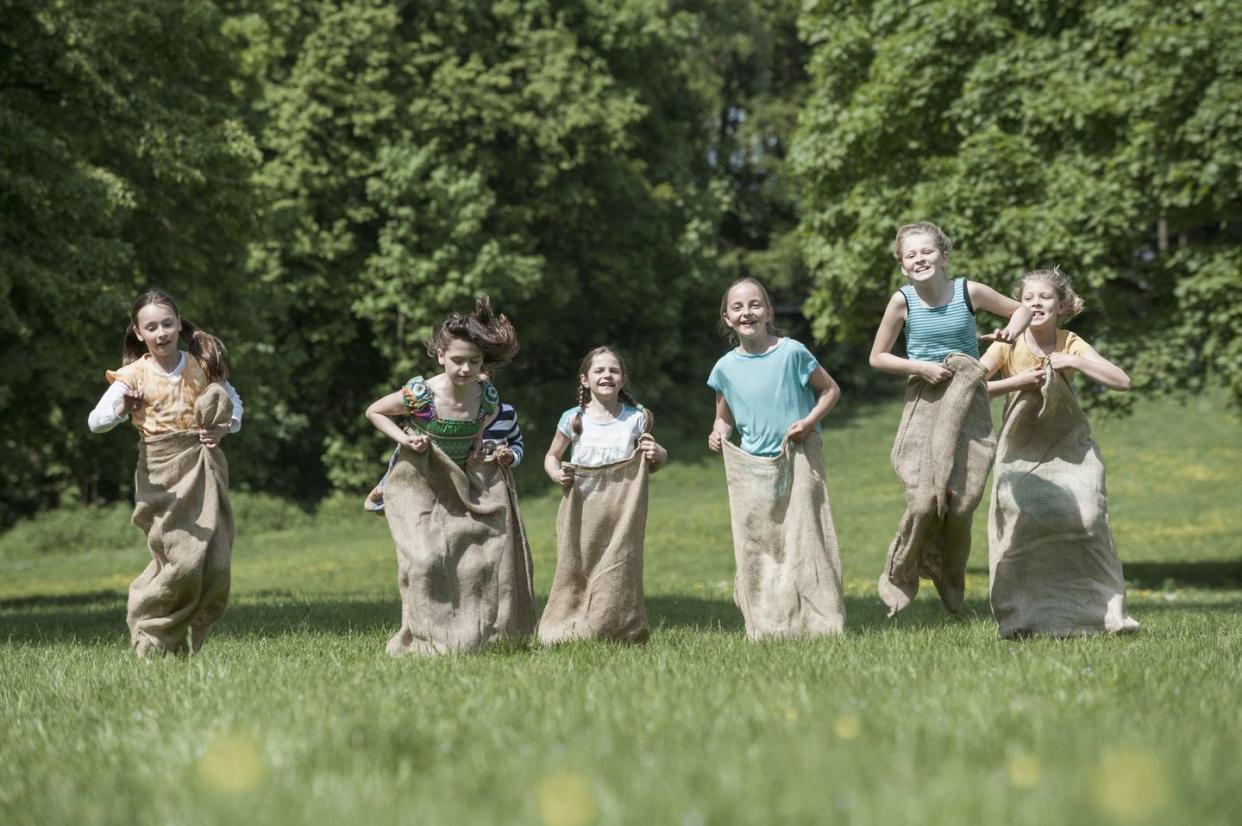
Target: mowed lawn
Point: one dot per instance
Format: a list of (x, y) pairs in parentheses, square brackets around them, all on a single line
[(294, 714)]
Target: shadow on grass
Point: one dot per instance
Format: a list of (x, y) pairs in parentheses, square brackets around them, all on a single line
[(862, 613), (1224, 574), (99, 616)]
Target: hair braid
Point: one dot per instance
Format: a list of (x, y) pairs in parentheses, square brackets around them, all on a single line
[(584, 398), (648, 418)]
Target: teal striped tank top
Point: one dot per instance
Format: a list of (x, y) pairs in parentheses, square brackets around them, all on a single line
[(934, 332)]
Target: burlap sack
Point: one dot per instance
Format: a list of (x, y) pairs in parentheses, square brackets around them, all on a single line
[(463, 563), (597, 592), (942, 453), (181, 488), (788, 581), (1052, 565)]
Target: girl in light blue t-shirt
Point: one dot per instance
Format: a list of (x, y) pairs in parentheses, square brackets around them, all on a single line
[(770, 388)]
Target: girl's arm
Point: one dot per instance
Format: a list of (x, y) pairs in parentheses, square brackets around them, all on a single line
[(381, 413), (654, 452), (882, 357), (828, 393), (722, 427), (1031, 377), (986, 298), (557, 472), (1094, 366), (113, 408)]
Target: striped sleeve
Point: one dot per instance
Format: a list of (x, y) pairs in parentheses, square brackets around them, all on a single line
[(504, 428)]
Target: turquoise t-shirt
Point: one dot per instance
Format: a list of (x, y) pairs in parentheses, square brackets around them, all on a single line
[(766, 393)]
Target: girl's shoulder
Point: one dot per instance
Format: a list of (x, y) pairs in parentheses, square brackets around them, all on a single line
[(418, 398), (132, 374), (1070, 342), (489, 399)]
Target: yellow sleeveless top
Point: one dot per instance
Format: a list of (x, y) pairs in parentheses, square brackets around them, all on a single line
[(168, 403)]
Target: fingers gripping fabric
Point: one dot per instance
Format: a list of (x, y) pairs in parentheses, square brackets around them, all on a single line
[(182, 504), (597, 591), (788, 581), (1052, 565), (942, 453), (463, 562)]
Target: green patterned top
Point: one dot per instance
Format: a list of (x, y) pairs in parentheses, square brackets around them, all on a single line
[(453, 436)]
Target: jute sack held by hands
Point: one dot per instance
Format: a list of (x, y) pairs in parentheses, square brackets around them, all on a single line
[(463, 562), (788, 581), (181, 493), (597, 592), (1052, 565), (942, 453)]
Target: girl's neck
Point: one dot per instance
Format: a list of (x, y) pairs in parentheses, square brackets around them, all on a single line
[(461, 394), (935, 292), (604, 407), (1044, 338), (757, 344), (169, 362)]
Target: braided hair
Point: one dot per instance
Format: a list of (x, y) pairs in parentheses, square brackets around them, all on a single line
[(584, 393)]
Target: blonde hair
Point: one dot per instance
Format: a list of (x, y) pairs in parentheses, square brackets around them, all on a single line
[(1061, 283), (943, 242), (773, 330)]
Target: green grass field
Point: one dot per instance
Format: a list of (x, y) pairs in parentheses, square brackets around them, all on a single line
[(293, 713)]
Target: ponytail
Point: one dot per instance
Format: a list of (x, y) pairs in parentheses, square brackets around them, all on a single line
[(208, 349)]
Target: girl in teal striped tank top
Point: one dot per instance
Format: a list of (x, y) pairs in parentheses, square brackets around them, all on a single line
[(945, 395), (936, 313)]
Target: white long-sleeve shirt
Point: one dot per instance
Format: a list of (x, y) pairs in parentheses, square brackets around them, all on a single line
[(104, 417)]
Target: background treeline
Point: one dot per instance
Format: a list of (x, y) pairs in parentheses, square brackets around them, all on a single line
[(320, 182)]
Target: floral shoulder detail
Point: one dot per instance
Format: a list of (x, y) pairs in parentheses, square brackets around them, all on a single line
[(490, 402), (418, 398)]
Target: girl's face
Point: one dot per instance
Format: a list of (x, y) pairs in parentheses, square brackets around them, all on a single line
[(1041, 297), (747, 312), (158, 327), (462, 361), (921, 259), (604, 378)]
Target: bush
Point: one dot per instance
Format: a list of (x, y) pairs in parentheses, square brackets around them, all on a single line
[(257, 513), (71, 531), (75, 530)]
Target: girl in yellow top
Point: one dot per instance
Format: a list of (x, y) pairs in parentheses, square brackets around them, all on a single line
[(1053, 567), (182, 405)]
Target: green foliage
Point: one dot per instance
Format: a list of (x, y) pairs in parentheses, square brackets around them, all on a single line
[(73, 530), (421, 155), (121, 165), (1097, 136)]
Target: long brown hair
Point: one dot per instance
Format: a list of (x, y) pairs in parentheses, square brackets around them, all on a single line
[(208, 350), (584, 393), (491, 333)]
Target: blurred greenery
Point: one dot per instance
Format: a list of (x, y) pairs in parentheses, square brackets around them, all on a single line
[(319, 183)]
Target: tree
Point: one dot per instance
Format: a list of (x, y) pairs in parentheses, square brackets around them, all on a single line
[(121, 165), (1098, 136), (417, 155)]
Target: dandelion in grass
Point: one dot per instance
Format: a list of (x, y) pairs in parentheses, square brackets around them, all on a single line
[(566, 799), (232, 764), (1129, 784), (1024, 771), (791, 714), (846, 727)]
